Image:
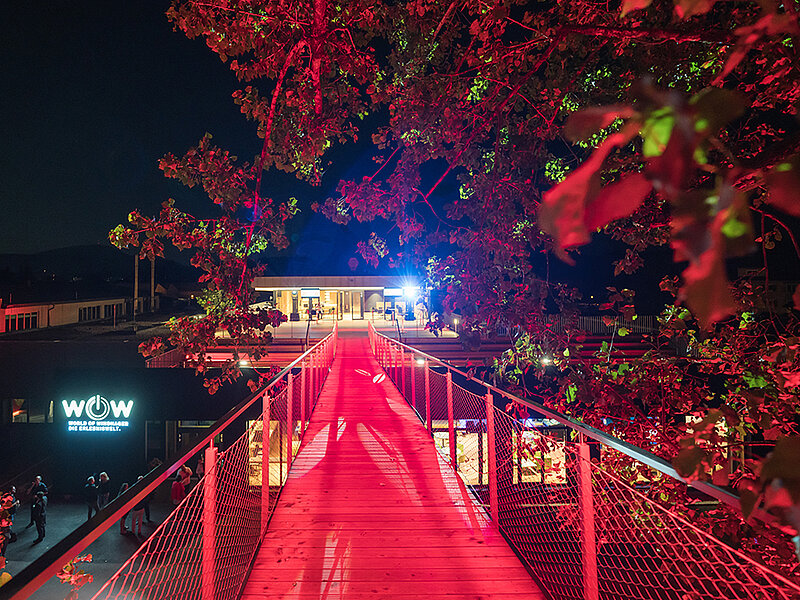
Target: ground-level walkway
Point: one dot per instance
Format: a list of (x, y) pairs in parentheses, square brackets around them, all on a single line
[(371, 511)]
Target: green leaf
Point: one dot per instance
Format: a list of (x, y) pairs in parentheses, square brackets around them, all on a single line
[(623, 331), (734, 228), (657, 131)]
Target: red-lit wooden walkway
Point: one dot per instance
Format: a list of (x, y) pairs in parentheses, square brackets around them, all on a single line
[(370, 511)]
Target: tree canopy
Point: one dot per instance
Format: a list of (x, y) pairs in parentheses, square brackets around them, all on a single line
[(506, 131)]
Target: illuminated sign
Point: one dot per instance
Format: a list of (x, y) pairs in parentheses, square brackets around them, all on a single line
[(309, 293), (392, 292), (97, 414)]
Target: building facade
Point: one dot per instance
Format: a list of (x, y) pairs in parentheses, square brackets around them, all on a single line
[(339, 297)]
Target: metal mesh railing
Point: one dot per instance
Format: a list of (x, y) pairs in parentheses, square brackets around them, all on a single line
[(204, 548), (555, 489)]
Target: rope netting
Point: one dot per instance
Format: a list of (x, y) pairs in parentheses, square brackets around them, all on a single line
[(204, 548), (564, 502)]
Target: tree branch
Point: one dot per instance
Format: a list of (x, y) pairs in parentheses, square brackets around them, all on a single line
[(680, 37)]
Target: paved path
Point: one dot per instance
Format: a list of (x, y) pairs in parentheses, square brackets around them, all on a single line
[(371, 511)]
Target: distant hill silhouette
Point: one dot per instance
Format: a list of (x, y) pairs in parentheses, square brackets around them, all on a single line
[(82, 272)]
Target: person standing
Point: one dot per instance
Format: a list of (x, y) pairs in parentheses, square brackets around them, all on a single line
[(11, 504), (39, 515), (137, 514), (186, 477), (90, 496), (122, 528), (37, 485), (103, 490), (178, 492)]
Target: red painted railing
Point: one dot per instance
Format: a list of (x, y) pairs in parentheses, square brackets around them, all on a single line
[(204, 548), (560, 493)]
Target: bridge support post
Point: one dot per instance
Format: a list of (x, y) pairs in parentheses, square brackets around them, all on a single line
[(494, 508), (289, 420), (451, 429), (588, 535), (402, 364), (303, 411), (264, 461), (313, 374), (428, 417), (413, 383), (207, 590)]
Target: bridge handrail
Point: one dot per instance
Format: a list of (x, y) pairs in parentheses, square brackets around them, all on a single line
[(32, 577), (648, 458), (584, 528)]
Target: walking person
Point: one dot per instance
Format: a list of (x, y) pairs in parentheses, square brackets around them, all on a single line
[(122, 528), (39, 515), (37, 485), (137, 514), (90, 496), (103, 490)]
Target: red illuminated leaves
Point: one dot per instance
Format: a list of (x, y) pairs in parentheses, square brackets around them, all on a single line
[(579, 204), (628, 6), (583, 123), (689, 8)]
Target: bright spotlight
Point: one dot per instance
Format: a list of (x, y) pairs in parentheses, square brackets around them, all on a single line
[(411, 292), (244, 363), (420, 361), (546, 360)]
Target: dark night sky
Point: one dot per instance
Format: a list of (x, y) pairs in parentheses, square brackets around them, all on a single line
[(94, 93)]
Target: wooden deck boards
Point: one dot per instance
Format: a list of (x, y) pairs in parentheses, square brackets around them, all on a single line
[(371, 511)]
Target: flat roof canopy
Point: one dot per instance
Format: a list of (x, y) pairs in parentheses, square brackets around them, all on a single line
[(332, 282)]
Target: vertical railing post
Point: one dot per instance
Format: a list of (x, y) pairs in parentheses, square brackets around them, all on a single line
[(588, 536), (413, 382), (264, 460), (451, 430), (494, 508), (303, 412), (313, 374), (207, 589), (289, 424), (428, 416), (402, 365)]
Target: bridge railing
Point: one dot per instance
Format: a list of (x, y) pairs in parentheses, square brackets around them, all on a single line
[(204, 548), (581, 508)]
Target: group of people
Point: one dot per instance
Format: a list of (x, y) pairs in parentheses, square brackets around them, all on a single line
[(97, 493), (9, 505)]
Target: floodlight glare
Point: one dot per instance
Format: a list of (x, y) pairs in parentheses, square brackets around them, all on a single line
[(411, 292)]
